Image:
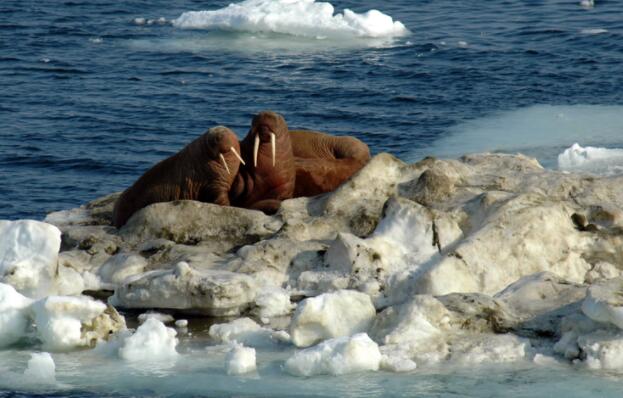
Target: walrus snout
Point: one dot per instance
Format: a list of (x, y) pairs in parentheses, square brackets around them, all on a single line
[(265, 127)]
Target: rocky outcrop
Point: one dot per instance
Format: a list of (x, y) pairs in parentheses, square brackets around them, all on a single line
[(482, 258)]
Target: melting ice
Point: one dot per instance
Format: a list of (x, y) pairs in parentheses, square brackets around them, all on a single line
[(541, 131)]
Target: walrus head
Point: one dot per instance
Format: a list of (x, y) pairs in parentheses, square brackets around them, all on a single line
[(222, 146), (268, 129), (270, 172)]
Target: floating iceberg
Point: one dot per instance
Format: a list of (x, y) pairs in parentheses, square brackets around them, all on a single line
[(294, 17)]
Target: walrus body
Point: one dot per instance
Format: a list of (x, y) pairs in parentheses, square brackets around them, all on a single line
[(269, 174), (323, 162), (204, 170)]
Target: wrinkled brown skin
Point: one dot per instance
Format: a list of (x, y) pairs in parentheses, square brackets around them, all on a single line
[(264, 187), (323, 162), (194, 173)]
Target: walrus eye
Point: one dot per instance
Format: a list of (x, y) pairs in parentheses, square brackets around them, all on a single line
[(273, 145), (224, 163), (237, 155), (256, 147)]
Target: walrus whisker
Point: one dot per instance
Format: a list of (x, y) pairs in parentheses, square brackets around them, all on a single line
[(256, 148), (273, 145), (225, 163), (237, 155)]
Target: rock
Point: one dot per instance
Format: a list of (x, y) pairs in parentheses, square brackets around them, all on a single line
[(463, 259), (432, 187), (329, 315), (29, 256), (120, 267), (337, 356), (191, 223), (477, 312), (96, 212), (408, 236), (537, 235), (208, 292), (604, 302), (540, 302)]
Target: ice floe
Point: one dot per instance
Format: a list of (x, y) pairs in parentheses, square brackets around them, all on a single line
[(294, 17), (487, 259)]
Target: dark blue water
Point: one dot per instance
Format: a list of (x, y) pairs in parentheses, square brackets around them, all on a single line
[(89, 99)]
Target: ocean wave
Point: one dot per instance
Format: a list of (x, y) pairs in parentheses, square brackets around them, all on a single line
[(595, 160), (306, 18)]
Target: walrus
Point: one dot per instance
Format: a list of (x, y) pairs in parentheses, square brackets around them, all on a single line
[(203, 170), (323, 162), (269, 175)]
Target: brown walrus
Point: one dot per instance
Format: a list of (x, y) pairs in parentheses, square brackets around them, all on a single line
[(203, 170), (323, 162), (269, 174)]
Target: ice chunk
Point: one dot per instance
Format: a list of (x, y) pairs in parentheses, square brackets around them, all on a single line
[(273, 302), (213, 292), (295, 17), (14, 317), (61, 321), (604, 161), (28, 256), (490, 349), (337, 356), (240, 360), (152, 342), (397, 364), (328, 315), (603, 349), (164, 318), (246, 331), (41, 368)]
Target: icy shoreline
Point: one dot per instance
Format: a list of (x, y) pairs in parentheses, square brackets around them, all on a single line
[(487, 259)]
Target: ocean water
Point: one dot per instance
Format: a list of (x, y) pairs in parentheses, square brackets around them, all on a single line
[(95, 92)]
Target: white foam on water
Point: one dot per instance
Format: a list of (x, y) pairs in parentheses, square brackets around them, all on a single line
[(587, 4), (306, 18), (593, 31), (541, 131)]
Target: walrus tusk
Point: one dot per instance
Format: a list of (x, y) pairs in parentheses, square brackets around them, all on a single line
[(237, 155), (273, 145), (256, 147), (225, 163)]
